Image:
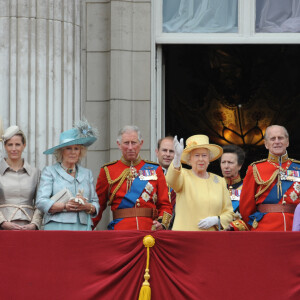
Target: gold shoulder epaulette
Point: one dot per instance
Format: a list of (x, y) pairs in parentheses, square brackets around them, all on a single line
[(110, 163), (259, 161), (151, 162), (295, 161)]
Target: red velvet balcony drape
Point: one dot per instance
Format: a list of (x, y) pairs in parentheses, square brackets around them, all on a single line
[(183, 265)]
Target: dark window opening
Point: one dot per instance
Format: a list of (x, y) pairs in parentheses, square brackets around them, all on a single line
[(232, 93)]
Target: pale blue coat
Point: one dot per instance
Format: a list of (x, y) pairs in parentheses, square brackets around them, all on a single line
[(54, 179)]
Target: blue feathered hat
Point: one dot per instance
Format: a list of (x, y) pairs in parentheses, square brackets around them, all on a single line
[(81, 134)]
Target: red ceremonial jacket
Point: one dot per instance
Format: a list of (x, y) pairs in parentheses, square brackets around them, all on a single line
[(248, 204), (154, 195)]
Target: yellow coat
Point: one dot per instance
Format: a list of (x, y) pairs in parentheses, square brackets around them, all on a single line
[(198, 198)]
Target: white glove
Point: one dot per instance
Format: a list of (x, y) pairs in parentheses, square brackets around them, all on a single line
[(178, 148), (78, 195), (78, 200), (208, 222)]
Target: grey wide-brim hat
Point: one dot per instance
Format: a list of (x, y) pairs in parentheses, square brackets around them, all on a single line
[(83, 134)]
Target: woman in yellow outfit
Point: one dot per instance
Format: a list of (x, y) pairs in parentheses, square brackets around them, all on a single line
[(202, 198)]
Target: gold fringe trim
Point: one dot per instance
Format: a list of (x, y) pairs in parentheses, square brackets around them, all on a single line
[(151, 162), (258, 161), (295, 160), (110, 163)]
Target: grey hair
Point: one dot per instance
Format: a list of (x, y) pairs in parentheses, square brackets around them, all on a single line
[(129, 128), (189, 154), (59, 157), (269, 127)]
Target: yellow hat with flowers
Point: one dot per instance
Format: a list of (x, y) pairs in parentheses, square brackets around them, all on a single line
[(200, 141)]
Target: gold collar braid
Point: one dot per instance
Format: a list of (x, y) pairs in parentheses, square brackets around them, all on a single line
[(131, 163), (278, 159), (233, 180)]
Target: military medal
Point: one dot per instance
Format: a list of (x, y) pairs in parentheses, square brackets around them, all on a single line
[(281, 176), (235, 194), (148, 175), (290, 175), (131, 176), (255, 224)]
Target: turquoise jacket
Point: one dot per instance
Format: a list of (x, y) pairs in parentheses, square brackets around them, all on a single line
[(54, 179)]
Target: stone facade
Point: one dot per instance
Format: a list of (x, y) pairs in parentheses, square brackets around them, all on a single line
[(62, 60), (116, 57), (40, 70), (117, 54)]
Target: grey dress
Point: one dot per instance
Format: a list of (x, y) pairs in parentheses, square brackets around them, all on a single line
[(17, 194)]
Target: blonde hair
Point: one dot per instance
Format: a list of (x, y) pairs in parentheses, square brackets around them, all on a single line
[(59, 157)]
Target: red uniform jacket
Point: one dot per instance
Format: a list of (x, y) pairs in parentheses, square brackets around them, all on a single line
[(155, 195), (270, 221)]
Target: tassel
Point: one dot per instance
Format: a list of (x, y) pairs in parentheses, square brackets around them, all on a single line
[(279, 187), (145, 292)]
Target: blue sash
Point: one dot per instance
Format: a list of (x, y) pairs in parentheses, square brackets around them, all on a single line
[(272, 197), (136, 190), (235, 205)]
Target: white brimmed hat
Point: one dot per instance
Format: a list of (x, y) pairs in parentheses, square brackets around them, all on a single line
[(200, 141)]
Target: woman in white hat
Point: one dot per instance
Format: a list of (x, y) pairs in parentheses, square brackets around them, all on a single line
[(202, 198), (66, 193), (18, 184)]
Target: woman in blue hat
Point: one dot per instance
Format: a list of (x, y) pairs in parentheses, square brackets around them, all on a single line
[(66, 193)]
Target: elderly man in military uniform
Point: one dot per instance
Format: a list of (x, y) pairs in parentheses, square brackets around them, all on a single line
[(271, 187), (135, 189)]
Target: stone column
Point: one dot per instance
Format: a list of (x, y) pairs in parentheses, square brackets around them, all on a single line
[(130, 59), (118, 55), (40, 70), (118, 72)]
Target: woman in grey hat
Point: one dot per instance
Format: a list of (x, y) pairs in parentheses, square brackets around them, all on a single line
[(18, 184), (66, 193)]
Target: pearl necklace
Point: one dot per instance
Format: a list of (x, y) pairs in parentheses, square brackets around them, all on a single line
[(68, 170)]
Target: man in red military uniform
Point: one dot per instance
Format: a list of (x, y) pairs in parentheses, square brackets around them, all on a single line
[(271, 187), (135, 189)]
